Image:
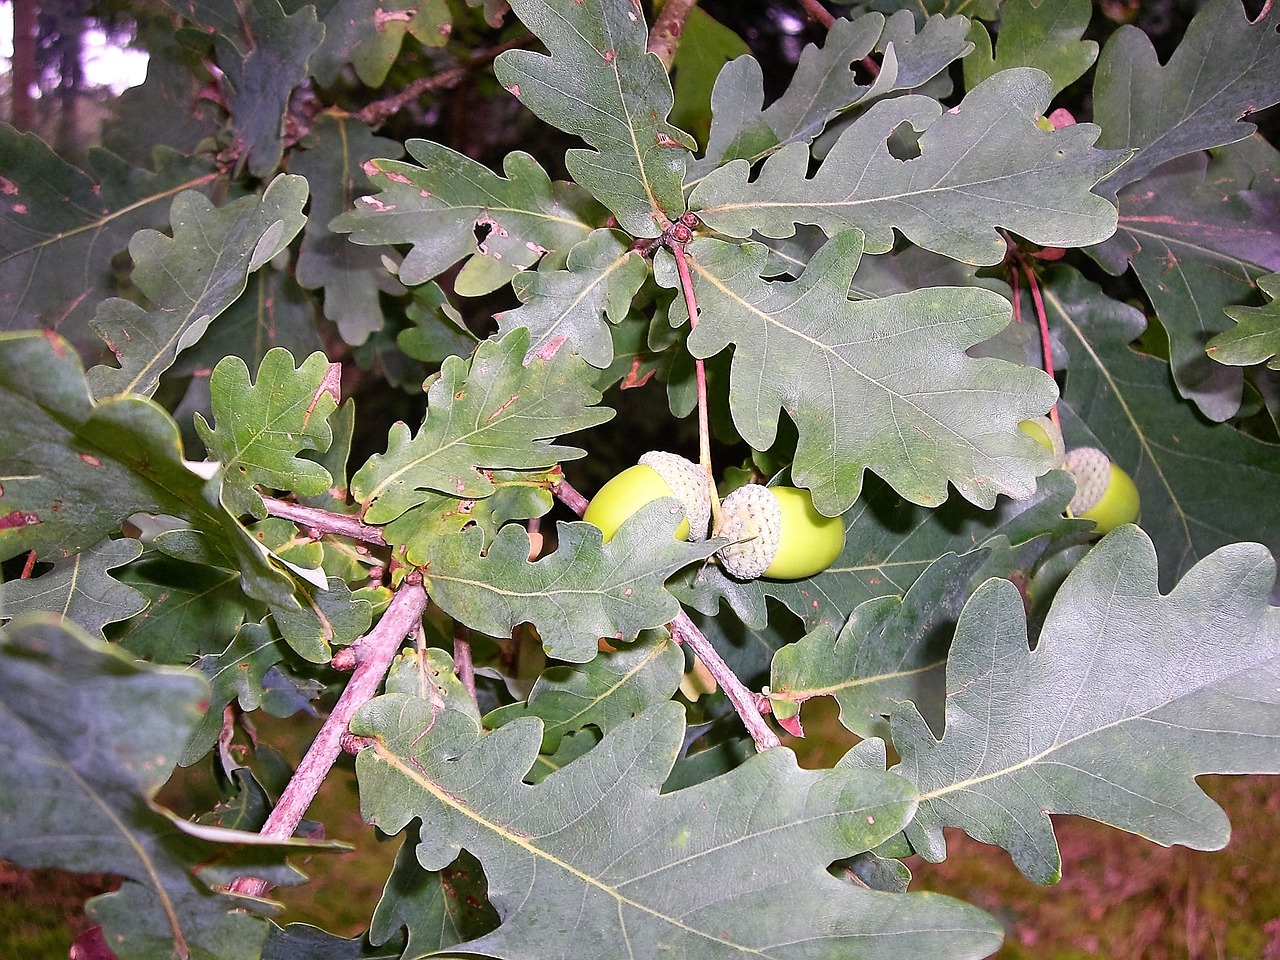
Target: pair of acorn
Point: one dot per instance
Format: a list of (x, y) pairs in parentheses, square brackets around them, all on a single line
[(773, 532)]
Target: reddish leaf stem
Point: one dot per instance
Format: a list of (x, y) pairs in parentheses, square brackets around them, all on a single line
[(700, 373), (325, 521), (818, 12), (1046, 347), (378, 648), (463, 665), (664, 36), (684, 630)]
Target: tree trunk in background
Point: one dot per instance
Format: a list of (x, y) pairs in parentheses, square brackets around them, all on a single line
[(24, 64)]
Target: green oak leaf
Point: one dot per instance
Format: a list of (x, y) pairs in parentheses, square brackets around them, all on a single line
[(892, 649), (598, 82), (1127, 698), (96, 763), (983, 164), (61, 226), (190, 278), (585, 590), (323, 619), (491, 411), (1035, 33), (75, 470), (437, 908), (880, 384), (448, 207), (1225, 67), (706, 45), (80, 589), (571, 306), (708, 871), (606, 691), (825, 82), (235, 673), (1199, 233), (332, 159), (261, 428), (1123, 402), (370, 39), (438, 329), (1256, 336)]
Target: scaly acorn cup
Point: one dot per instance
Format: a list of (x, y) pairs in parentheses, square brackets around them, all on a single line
[(657, 475), (776, 533), (1046, 433), (1105, 494)]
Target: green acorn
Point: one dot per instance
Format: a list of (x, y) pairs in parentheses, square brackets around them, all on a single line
[(657, 475), (776, 533), (1105, 494)]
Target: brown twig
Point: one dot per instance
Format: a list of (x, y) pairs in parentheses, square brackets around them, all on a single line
[(818, 12), (463, 665), (664, 37), (684, 630), (325, 521), (378, 649), (375, 114)]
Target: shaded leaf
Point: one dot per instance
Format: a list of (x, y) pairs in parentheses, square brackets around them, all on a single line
[(492, 412), (871, 384), (605, 691), (61, 226), (571, 306), (332, 159), (234, 674), (1123, 402), (1128, 697), (1199, 233), (370, 39), (892, 649), (323, 619), (1035, 33), (707, 871), (585, 590), (825, 82), (598, 82), (438, 331), (983, 164), (448, 207), (1256, 336), (1224, 67), (190, 278), (80, 589), (706, 45), (96, 763), (437, 908), (261, 428), (301, 941), (77, 469)]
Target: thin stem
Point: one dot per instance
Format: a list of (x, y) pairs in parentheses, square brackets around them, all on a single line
[(1046, 347), (664, 37), (325, 521), (683, 630), (700, 373), (379, 647), (818, 12), (463, 665)]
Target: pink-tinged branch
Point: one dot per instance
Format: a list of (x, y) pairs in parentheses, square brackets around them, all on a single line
[(325, 521), (378, 648)]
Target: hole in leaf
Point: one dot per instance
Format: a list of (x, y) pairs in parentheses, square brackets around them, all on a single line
[(482, 230), (904, 142)]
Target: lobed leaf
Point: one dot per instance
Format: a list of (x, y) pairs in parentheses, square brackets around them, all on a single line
[(261, 428), (1225, 67), (80, 589), (1122, 402), (1256, 336), (1128, 696), (448, 207), (709, 871), (825, 82), (371, 41), (598, 82), (983, 164), (585, 590), (870, 384), (489, 412), (572, 306), (190, 278), (1035, 34), (60, 227), (332, 159)]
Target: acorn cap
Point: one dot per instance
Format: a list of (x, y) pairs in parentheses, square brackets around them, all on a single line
[(751, 518), (1091, 469), (691, 485)]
